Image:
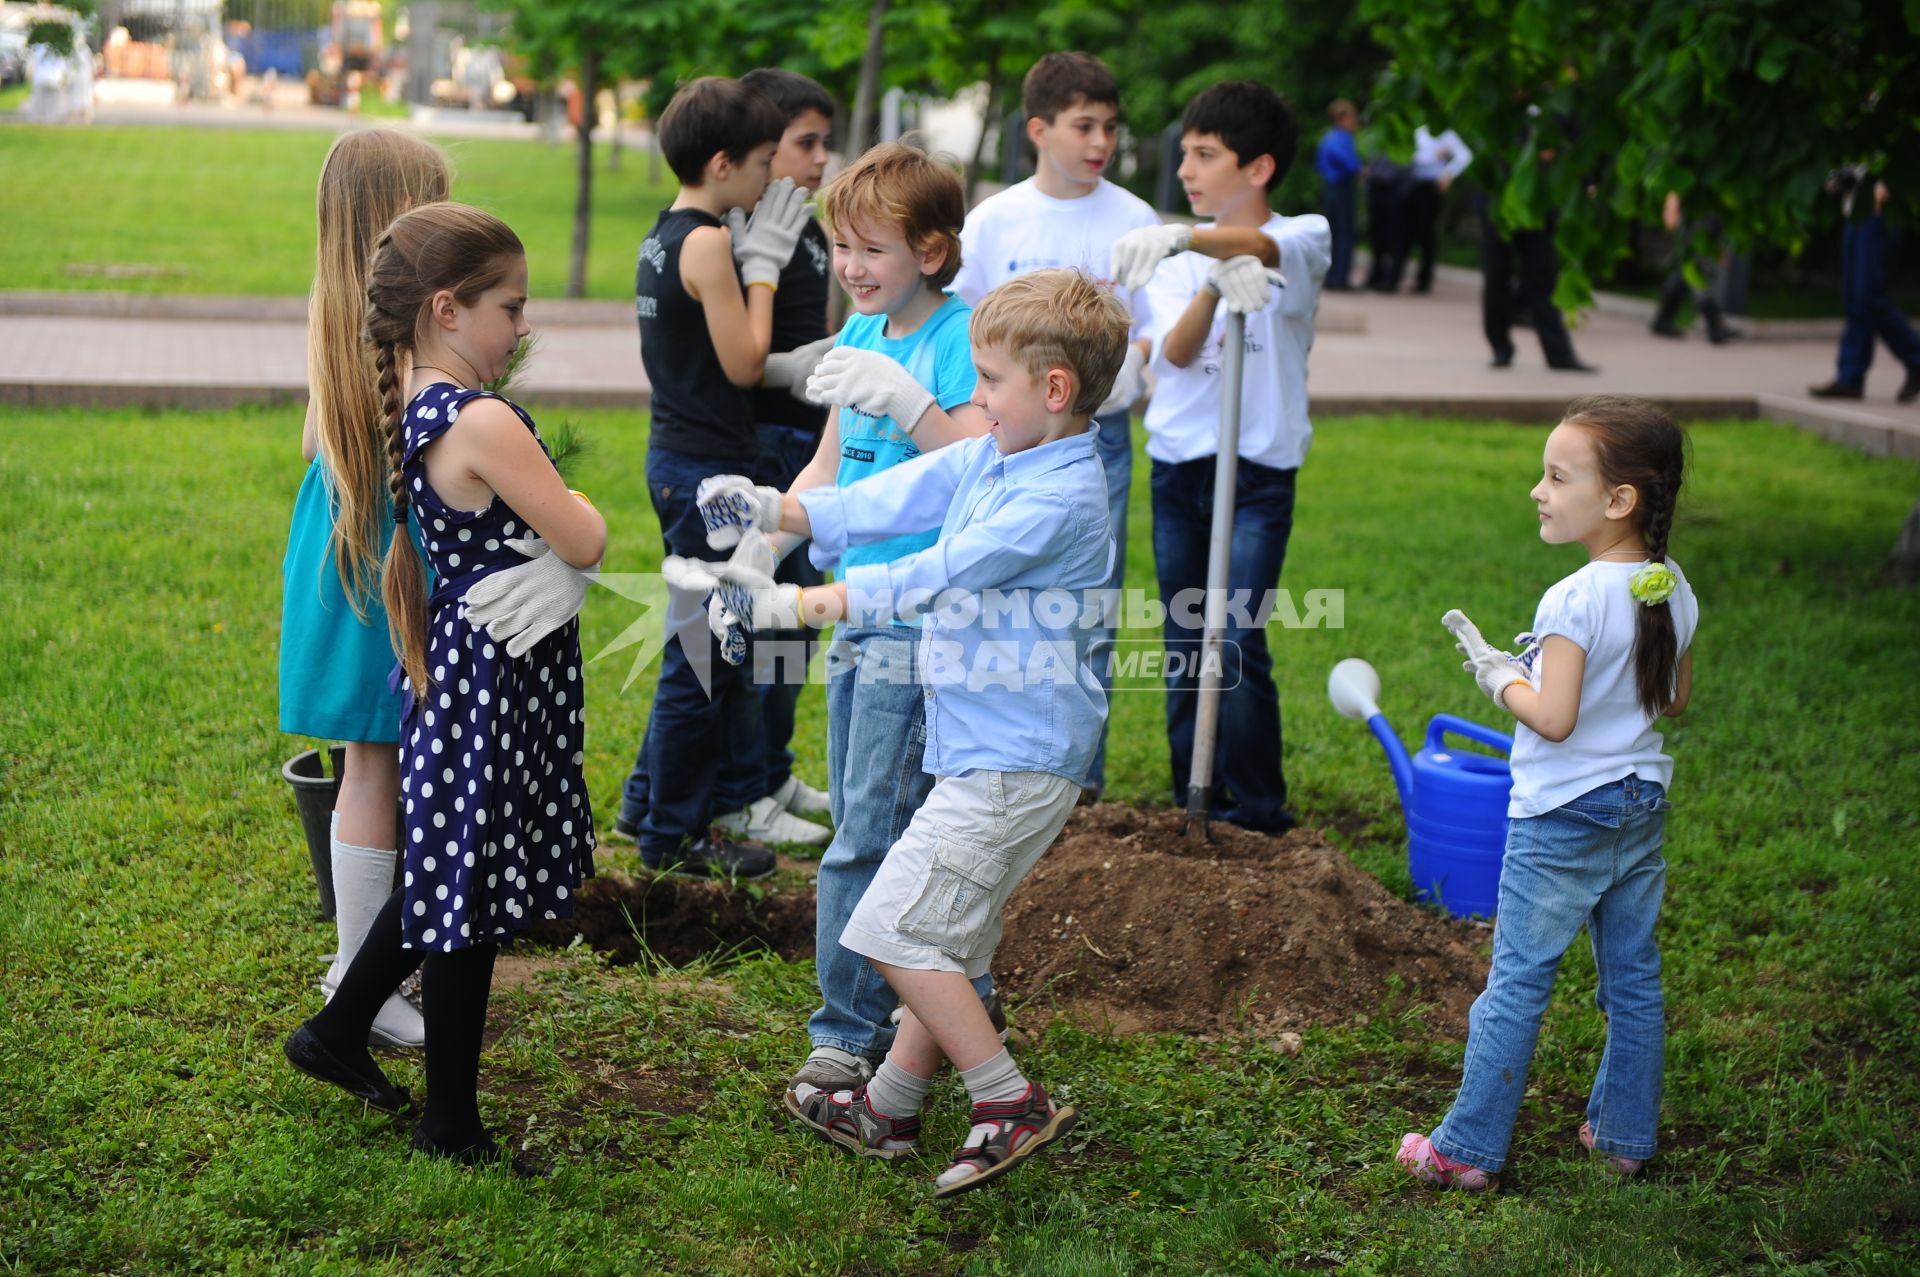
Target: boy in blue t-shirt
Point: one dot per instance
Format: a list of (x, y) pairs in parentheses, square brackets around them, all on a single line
[(899, 380)]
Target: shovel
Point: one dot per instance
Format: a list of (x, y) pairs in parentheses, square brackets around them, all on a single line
[(1226, 471)]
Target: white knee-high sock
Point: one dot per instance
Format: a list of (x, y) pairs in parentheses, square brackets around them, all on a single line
[(362, 881)]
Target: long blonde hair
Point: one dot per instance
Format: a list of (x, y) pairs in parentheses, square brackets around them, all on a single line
[(438, 246), (369, 178)]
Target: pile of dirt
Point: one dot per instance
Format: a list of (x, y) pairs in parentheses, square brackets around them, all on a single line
[(1129, 925), (676, 920)]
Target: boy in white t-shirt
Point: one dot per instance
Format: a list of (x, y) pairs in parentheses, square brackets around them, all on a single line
[(1069, 215), (1236, 143)]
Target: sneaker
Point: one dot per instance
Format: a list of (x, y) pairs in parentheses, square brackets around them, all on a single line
[(399, 1023), (715, 857), (1835, 389), (765, 820), (1621, 1166), (996, 1013), (1910, 387), (624, 830), (802, 799), (1425, 1163), (1003, 1136), (845, 1118), (829, 1069)]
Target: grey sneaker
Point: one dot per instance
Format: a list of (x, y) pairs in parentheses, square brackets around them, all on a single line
[(845, 1118), (830, 1070)]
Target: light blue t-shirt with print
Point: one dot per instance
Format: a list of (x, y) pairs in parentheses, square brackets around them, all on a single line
[(940, 358)]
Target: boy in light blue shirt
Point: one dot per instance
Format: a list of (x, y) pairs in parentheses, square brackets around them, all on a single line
[(1013, 713)]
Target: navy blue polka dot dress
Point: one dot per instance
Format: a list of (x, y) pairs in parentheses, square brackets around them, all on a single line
[(499, 832)]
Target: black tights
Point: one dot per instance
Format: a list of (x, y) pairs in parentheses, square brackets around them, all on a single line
[(454, 987)]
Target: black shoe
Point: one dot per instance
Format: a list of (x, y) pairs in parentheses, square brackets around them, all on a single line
[(482, 1152), (1910, 388), (1423, 288), (1665, 328), (1721, 336), (625, 830), (1501, 359), (1838, 390), (715, 857), (1575, 366), (306, 1052)]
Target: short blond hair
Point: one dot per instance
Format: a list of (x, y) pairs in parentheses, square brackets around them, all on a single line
[(898, 186), (1058, 319)]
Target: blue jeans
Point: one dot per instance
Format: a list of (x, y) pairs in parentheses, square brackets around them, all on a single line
[(676, 786), (876, 740), (1595, 861), (1247, 756), (1863, 292), (784, 452), (1114, 442)]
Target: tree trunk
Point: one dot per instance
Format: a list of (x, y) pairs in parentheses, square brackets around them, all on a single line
[(1904, 568), (987, 114), (860, 131), (583, 200), (614, 147)]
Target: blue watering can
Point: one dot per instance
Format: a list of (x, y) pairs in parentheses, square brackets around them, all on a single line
[(1455, 801)]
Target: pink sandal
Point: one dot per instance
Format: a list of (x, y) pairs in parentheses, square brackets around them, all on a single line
[(1426, 1163), (1621, 1166)]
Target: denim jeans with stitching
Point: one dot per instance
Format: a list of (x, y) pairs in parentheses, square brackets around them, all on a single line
[(1595, 862)]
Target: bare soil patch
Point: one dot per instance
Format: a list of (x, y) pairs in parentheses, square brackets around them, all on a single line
[(1127, 925)]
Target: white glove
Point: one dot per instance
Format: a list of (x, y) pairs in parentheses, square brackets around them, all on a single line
[(763, 243), (1137, 253), (730, 503), (1495, 671), (790, 368), (1245, 284), (727, 628), (1128, 384), (1527, 655), (871, 382), (743, 586), (523, 604)]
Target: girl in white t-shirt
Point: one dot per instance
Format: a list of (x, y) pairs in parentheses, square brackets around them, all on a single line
[(1609, 656)]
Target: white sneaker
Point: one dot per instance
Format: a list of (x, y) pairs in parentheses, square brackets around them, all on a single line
[(802, 799), (767, 821), (398, 1024)]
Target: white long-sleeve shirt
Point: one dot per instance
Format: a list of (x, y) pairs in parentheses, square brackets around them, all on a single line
[(1437, 157)]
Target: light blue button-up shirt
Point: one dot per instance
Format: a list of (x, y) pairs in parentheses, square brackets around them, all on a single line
[(1008, 597)]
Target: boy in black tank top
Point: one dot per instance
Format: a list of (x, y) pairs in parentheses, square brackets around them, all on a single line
[(705, 329)]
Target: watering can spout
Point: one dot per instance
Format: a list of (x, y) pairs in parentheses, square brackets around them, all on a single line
[(1354, 688)]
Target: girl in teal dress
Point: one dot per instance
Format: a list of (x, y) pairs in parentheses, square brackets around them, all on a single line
[(335, 653)]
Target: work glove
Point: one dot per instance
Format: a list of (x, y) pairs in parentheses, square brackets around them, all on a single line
[(1138, 252), (763, 243), (871, 382), (523, 604), (790, 369), (743, 586), (727, 628), (1128, 384), (1495, 671), (1527, 652), (731, 503), (1245, 283)]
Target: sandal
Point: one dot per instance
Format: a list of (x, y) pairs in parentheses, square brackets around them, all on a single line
[(1003, 1136), (845, 1118), (1428, 1165)]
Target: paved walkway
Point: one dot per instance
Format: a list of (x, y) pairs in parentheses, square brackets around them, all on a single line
[(1373, 353)]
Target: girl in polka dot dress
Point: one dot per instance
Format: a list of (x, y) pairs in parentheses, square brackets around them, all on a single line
[(498, 831)]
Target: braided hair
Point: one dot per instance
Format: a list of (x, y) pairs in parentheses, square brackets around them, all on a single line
[(428, 250), (1638, 445)]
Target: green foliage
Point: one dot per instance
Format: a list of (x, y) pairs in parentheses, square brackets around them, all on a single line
[(57, 36), (1587, 114)]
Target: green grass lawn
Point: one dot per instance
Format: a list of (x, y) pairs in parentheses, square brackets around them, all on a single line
[(158, 939), (230, 211)]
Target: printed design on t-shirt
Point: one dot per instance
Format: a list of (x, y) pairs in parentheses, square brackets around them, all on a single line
[(816, 254), (646, 305), (1214, 353)]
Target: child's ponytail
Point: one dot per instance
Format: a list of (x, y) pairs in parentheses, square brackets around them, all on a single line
[(434, 248), (1638, 444)]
